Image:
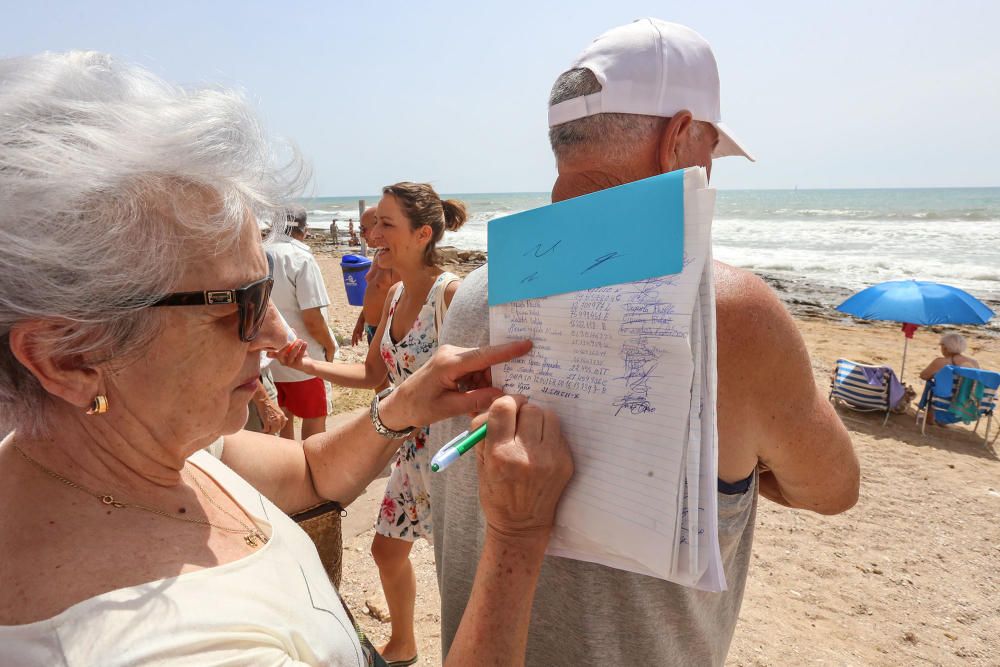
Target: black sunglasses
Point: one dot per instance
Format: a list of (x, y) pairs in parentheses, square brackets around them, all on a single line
[(251, 299)]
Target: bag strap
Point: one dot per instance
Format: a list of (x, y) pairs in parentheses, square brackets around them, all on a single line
[(439, 306), (318, 510)]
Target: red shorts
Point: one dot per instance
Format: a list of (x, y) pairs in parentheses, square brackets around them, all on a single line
[(305, 399)]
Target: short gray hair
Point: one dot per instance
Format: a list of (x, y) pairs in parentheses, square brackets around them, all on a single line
[(953, 343), (100, 162), (615, 136)]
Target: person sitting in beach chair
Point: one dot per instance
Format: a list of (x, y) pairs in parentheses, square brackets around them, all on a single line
[(952, 353), (866, 388), (960, 393)]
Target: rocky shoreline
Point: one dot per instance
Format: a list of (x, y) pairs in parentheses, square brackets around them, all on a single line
[(803, 298)]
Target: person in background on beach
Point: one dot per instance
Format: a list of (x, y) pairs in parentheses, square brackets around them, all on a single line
[(352, 235), (410, 220), (952, 349), (641, 100), (123, 540), (300, 296), (333, 233), (377, 284)]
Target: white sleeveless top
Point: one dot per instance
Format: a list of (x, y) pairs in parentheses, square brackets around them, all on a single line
[(273, 607)]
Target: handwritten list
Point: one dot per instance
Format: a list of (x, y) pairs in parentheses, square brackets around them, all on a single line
[(626, 367)]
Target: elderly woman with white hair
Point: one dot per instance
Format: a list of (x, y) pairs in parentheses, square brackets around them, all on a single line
[(133, 313), (952, 348)]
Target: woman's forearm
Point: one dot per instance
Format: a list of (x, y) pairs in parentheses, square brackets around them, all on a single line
[(494, 627), (354, 376), (345, 459)]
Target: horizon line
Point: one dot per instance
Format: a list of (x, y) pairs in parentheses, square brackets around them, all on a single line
[(375, 197)]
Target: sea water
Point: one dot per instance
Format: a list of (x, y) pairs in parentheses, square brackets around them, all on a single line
[(837, 238)]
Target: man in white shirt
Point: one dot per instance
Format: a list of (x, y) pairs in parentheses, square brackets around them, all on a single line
[(300, 296)]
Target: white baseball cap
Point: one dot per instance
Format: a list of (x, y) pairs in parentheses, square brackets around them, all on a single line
[(652, 68)]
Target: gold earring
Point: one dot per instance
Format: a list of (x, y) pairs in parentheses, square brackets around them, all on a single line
[(99, 406)]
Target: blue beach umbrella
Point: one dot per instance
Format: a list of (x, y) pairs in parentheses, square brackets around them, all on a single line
[(916, 303)]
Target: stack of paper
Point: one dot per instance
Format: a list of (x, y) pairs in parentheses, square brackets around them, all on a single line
[(615, 290)]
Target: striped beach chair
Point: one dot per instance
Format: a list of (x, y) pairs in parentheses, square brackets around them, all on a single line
[(959, 393), (862, 387)]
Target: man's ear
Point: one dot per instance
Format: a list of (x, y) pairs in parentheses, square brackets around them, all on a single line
[(34, 344), (671, 136)]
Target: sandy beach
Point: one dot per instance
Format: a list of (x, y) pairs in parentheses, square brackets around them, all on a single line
[(909, 576)]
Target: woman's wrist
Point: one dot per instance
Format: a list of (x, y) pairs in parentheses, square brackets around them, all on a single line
[(393, 411), (528, 543)]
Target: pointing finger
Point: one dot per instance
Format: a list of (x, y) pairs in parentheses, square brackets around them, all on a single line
[(479, 359)]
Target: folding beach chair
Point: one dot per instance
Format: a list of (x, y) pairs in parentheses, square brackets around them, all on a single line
[(959, 393), (862, 387)]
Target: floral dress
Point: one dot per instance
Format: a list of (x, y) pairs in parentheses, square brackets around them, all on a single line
[(406, 507)]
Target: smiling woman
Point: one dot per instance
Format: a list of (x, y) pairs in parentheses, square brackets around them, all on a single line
[(133, 312), (409, 221)]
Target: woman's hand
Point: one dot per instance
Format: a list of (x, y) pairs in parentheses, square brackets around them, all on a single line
[(271, 416), (524, 466), (272, 419), (523, 469), (454, 381), (293, 355)]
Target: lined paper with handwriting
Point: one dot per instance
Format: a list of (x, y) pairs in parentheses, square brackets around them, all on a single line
[(629, 368)]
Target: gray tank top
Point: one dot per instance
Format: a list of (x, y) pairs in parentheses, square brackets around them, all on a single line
[(583, 613)]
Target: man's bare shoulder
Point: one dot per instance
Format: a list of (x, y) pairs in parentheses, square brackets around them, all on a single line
[(748, 312), (760, 355), (769, 406)]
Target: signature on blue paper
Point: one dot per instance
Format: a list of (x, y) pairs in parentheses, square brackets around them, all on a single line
[(537, 251), (600, 260)]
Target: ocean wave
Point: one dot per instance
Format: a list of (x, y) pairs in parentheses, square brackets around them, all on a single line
[(862, 215)]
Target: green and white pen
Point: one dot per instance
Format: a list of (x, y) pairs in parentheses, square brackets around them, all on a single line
[(459, 445)]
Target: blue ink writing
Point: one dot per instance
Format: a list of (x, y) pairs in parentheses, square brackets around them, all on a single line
[(600, 260)]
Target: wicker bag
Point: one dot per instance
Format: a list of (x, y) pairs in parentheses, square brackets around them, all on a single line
[(322, 524)]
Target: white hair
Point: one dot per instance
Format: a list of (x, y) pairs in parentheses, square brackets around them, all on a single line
[(101, 163), (616, 137), (953, 343)]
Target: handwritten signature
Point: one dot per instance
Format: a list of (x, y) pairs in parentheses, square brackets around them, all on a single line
[(600, 260), (538, 252)]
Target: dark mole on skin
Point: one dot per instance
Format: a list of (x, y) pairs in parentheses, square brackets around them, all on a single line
[(182, 510), (510, 571), (649, 474)]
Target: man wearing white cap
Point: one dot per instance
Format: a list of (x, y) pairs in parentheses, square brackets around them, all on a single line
[(641, 100)]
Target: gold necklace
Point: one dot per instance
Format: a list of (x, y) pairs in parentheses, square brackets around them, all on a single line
[(251, 535)]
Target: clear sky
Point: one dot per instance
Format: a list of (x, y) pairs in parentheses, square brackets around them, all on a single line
[(844, 94)]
